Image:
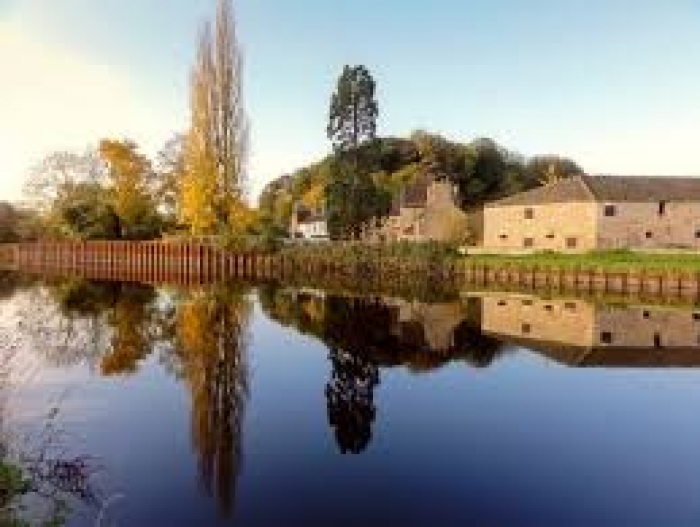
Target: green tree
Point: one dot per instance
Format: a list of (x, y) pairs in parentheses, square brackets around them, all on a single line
[(354, 109), (351, 196)]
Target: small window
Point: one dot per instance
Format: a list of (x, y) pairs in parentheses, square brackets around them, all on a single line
[(503, 236), (526, 328), (571, 306), (697, 233), (502, 303), (528, 242), (529, 214), (550, 236), (657, 340), (549, 307), (662, 208), (527, 302), (646, 314), (610, 210), (606, 337), (696, 316), (571, 243), (649, 235)]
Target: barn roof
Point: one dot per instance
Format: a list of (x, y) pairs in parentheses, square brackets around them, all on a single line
[(638, 189)]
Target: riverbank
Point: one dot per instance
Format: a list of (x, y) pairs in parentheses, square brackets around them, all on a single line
[(616, 261), (399, 266)]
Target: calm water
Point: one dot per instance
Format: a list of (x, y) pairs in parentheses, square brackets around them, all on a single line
[(274, 406)]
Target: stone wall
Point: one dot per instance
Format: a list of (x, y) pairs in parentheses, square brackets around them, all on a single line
[(649, 225), (551, 226)]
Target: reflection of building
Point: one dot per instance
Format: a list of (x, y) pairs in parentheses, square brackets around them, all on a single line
[(580, 333), (597, 212)]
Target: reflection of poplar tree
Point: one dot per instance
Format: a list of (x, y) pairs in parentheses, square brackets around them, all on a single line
[(211, 333), (350, 399)]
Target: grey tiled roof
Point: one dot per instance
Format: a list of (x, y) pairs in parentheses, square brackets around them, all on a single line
[(609, 188)]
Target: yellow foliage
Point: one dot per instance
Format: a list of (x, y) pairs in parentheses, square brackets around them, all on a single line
[(128, 171), (314, 197)]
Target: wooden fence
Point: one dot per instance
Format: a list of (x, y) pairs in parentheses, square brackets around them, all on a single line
[(151, 262), (188, 263)]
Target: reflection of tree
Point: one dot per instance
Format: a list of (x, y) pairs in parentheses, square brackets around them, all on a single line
[(211, 343), (350, 399), (132, 331), (72, 322)]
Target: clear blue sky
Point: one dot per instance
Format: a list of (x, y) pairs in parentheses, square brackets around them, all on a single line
[(615, 84)]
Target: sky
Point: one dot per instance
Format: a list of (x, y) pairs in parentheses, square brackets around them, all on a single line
[(614, 84)]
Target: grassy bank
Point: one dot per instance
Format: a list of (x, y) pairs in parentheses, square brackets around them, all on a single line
[(600, 260), (357, 252)]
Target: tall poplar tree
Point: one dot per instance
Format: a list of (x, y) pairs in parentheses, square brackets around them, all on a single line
[(212, 190)]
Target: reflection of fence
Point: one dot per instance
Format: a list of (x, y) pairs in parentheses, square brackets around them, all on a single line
[(180, 262)]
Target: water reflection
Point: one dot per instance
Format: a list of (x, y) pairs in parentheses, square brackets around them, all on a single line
[(211, 346), (579, 333), (201, 337)]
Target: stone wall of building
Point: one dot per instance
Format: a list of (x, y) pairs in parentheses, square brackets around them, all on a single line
[(649, 225), (550, 226), (444, 220), (439, 219)]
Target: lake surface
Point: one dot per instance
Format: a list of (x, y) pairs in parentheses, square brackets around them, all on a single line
[(277, 406)]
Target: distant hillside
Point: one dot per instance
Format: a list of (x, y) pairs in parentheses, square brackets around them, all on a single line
[(482, 170)]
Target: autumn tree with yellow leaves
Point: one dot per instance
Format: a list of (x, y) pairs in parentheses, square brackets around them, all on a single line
[(212, 196), (128, 175)]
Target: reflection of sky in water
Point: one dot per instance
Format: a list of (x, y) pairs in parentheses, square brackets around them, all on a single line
[(525, 440)]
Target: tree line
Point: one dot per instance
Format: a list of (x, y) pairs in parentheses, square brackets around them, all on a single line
[(362, 176), (195, 186)]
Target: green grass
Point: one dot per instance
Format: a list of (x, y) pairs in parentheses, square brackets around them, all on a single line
[(599, 260)]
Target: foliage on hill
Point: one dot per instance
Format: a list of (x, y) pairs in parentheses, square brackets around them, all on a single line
[(482, 170)]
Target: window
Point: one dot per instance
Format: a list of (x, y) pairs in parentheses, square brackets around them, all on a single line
[(696, 316), (526, 328), (606, 337), (527, 302), (662, 208), (571, 306), (571, 243), (550, 236), (529, 214), (502, 303), (657, 340), (649, 235), (528, 242), (503, 236), (646, 314), (549, 307), (697, 233), (610, 210)]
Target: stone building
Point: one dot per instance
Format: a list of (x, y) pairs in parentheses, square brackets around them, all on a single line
[(597, 212), (423, 210), (580, 333)]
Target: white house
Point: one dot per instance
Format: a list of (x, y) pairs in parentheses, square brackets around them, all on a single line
[(308, 224)]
